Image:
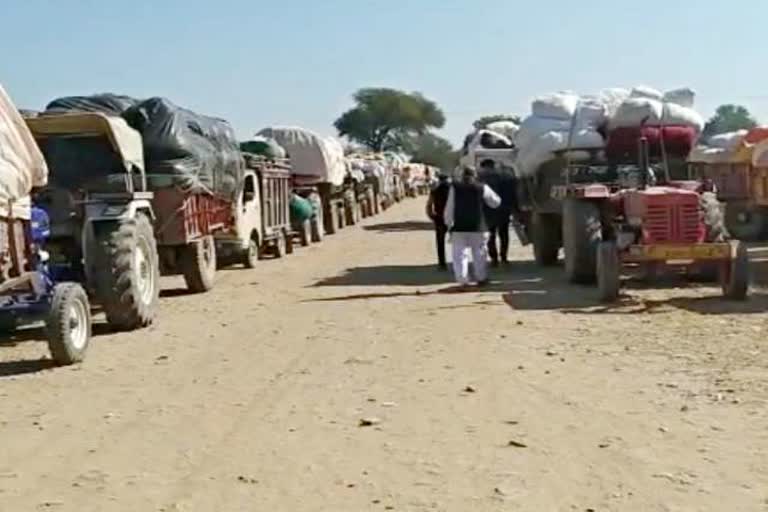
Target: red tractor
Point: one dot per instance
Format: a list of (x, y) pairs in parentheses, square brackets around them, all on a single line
[(637, 219)]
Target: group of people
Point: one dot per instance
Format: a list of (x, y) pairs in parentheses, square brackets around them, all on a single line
[(476, 209)]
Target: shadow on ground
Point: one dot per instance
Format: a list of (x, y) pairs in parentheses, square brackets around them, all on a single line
[(399, 227), (524, 286), (35, 334)]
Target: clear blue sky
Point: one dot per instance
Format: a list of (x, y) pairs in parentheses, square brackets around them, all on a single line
[(261, 62)]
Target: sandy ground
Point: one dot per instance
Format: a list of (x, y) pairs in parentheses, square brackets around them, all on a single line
[(525, 396)]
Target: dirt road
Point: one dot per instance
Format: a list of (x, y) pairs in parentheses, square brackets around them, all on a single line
[(525, 396)]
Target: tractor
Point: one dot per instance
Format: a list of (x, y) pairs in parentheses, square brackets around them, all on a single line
[(635, 215)]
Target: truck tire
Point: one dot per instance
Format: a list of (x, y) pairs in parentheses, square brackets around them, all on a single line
[(305, 233), (198, 264), (608, 271), (288, 238), (316, 226), (735, 276), (582, 233), (68, 324), (250, 256), (128, 274), (746, 223), (547, 238)]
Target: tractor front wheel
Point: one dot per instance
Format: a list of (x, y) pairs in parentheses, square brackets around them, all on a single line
[(582, 233)]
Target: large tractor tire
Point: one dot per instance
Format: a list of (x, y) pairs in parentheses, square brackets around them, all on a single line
[(68, 325), (735, 276), (128, 273), (582, 233), (547, 238), (746, 223), (198, 264)]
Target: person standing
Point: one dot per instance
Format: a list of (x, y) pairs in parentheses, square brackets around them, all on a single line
[(498, 219), (465, 218), (438, 197)]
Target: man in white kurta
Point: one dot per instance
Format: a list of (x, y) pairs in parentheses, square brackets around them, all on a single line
[(466, 222)]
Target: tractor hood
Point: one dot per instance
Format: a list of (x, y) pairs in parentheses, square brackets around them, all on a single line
[(126, 141)]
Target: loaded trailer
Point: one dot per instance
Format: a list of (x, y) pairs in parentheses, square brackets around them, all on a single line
[(320, 173)]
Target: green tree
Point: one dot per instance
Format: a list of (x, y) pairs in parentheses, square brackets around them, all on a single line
[(432, 149), (383, 118), (486, 120), (729, 118)]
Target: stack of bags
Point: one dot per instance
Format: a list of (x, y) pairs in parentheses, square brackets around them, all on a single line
[(646, 112), (742, 146), (559, 122), (607, 126)]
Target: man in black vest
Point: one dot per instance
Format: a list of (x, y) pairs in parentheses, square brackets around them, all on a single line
[(498, 219), (438, 197), (465, 218)]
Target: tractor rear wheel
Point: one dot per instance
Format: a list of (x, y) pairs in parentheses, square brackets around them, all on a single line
[(547, 238), (746, 223), (735, 275), (582, 233), (198, 264), (608, 271), (128, 273)]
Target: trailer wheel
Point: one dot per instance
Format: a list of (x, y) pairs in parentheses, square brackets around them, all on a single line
[(68, 324), (128, 273), (288, 237), (608, 271), (745, 223), (547, 238), (582, 233), (198, 264), (735, 274), (316, 226), (305, 233), (250, 256)]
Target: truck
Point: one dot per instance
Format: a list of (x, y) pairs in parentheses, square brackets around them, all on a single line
[(101, 212), (262, 224), (31, 289), (319, 172)]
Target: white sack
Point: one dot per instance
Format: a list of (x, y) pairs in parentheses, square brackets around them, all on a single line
[(22, 165), (556, 106), (643, 91), (634, 111), (542, 149), (507, 128), (679, 115), (533, 127), (591, 113), (612, 98), (708, 155), (727, 141), (312, 155), (684, 97)]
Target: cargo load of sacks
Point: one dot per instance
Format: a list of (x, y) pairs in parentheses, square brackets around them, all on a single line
[(607, 126), (742, 146)]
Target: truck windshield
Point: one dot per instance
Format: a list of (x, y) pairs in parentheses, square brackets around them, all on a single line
[(76, 160)]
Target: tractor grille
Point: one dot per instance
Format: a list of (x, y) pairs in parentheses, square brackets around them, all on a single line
[(673, 218)]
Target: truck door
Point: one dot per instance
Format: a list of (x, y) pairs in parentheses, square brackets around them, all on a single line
[(250, 213)]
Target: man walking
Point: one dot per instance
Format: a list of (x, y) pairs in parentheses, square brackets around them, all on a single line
[(465, 218), (498, 219), (438, 197)]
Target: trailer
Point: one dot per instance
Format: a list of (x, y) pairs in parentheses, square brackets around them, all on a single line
[(319, 169)]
